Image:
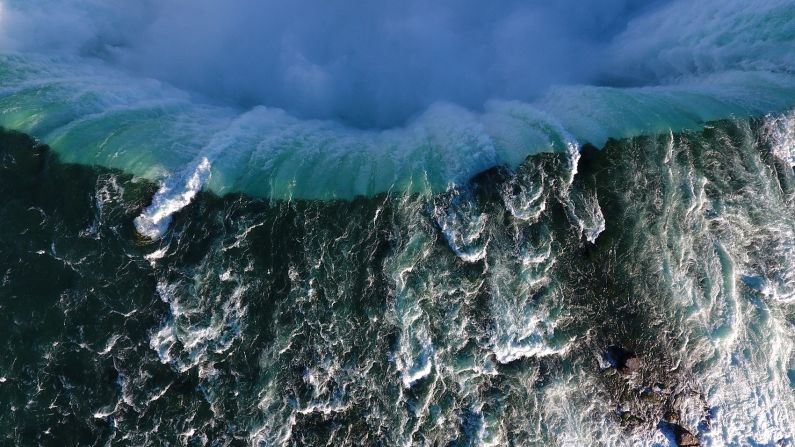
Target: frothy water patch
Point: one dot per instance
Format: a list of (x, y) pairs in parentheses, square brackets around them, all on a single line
[(462, 224), (174, 194), (780, 132), (156, 255), (524, 195), (589, 216)]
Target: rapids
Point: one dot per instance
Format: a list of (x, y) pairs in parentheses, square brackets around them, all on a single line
[(499, 312)]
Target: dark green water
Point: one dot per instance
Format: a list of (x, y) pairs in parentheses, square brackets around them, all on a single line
[(650, 291)]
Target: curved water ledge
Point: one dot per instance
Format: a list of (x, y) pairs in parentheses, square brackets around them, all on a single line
[(92, 114), (107, 95)]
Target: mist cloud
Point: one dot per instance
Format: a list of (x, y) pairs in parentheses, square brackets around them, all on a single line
[(373, 63), (368, 63)]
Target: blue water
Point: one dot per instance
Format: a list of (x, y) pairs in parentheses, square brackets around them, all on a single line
[(448, 223)]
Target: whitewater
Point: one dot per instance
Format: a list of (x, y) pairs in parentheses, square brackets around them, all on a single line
[(293, 223)]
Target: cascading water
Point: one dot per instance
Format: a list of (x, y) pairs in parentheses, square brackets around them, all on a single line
[(605, 259)]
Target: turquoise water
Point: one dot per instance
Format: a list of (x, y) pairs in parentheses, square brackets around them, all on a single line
[(685, 64), (96, 116)]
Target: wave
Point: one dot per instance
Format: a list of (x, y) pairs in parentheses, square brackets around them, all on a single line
[(694, 64)]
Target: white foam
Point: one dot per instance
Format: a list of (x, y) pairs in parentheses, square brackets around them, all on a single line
[(590, 217), (462, 226), (175, 193), (417, 372), (517, 350), (156, 255), (780, 132), (524, 195)]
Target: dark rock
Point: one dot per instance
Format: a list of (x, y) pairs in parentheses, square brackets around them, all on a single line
[(678, 434), (687, 439), (622, 359), (671, 416), (632, 364)]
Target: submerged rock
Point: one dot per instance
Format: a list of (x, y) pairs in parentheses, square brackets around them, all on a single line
[(677, 433), (632, 364), (685, 438), (622, 359)]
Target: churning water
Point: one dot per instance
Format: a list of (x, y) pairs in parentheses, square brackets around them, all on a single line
[(500, 312), (604, 260)]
